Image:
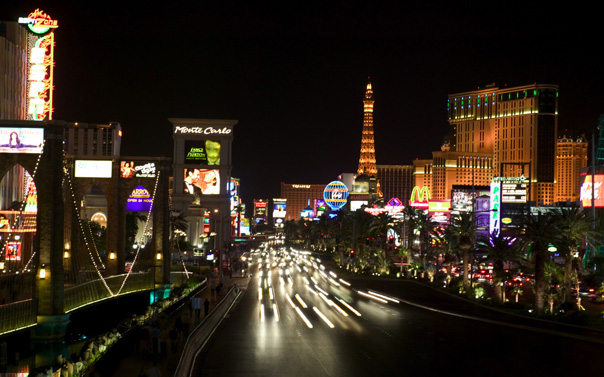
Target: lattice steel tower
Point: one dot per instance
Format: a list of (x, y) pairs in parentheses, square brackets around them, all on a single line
[(367, 165)]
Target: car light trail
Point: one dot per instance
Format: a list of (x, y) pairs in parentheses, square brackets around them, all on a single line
[(334, 282), (383, 296), (281, 280), (337, 308), (312, 290), (270, 294), (321, 290), (276, 311), (324, 298), (372, 297), (349, 307), (333, 274), (323, 317), (301, 301), (289, 300), (303, 317), (259, 293), (262, 313), (291, 281), (344, 282)]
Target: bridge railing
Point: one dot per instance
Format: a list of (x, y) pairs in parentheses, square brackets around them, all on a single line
[(17, 315), (93, 291)]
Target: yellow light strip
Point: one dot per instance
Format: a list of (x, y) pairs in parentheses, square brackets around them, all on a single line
[(323, 317)]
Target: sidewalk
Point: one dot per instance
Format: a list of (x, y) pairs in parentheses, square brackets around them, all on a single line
[(138, 354)]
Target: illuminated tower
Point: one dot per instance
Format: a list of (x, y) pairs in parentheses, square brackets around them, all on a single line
[(367, 165)]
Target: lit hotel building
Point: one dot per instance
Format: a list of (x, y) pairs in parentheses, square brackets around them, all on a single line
[(299, 197), (396, 181), (448, 168), (571, 157), (517, 125)]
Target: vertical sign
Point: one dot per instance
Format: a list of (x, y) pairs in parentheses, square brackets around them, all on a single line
[(495, 207), (40, 64)]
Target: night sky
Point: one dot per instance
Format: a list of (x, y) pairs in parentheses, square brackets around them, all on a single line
[(294, 74)]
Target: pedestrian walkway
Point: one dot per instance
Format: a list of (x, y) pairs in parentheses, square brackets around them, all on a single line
[(155, 342)]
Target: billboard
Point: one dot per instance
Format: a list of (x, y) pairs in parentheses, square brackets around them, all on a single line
[(420, 197), (40, 64), (139, 200), (201, 182), (586, 190), (512, 192), (202, 152), (495, 207), (279, 208), (93, 169), (13, 250), (21, 140), (260, 208), (137, 169)]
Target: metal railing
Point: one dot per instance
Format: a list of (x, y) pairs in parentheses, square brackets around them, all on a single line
[(17, 315), (202, 333)]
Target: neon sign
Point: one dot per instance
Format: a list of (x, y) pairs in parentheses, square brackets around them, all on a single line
[(40, 64), (420, 197), (335, 195), (201, 130), (39, 22), (495, 207)]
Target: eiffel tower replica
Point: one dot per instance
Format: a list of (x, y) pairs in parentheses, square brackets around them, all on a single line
[(366, 178)]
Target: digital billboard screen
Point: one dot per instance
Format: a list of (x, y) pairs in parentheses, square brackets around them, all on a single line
[(137, 169), (201, 182), (93, 169), (21, 140), (202, 152), (279, 208), (586, 190)]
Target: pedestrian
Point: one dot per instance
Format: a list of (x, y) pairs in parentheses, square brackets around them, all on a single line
[(206, 307), (186, 321), (174, 339), (196, 306), (213, 289), (155, 338), (163, 342)]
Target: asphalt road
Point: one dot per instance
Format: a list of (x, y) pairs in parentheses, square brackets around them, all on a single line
[(426, 333)]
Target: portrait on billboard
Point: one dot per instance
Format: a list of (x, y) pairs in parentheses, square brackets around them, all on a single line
[(127, 169), (21, 140), (202, 152), (199, 182)]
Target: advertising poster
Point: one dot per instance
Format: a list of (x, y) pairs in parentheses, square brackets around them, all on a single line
[(202, 152), (13, 250), (21, 140), (202, 182), (137, 169)]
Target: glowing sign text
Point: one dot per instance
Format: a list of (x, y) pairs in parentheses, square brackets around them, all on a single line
[(202, 130)]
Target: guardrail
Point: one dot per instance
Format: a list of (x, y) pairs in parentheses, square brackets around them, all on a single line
[(17, 315), (202, 333)]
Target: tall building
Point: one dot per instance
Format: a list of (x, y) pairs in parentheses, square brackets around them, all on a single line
[(13, 71), (396, 181), (83, 139), (518, 125), (448, 168), (300, 196), (571, 157), (367, 165)]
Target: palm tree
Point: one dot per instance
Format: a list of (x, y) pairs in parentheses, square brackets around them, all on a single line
[(540, 231), (425, 228), (409, 215), (462, 232), (575, 226), (499, 249), (379, 227)]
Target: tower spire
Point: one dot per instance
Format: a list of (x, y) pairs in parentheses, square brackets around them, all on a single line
[(367, 164)]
